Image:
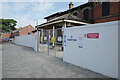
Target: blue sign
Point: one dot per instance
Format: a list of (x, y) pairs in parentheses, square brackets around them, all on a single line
[(64, 40)]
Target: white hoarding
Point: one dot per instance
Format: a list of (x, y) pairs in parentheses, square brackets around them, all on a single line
[(94, 47), (28, 40)]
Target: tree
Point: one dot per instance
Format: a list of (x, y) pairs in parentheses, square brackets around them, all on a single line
[(8, 24)]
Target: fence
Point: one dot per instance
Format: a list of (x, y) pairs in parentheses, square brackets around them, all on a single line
[(94, 47), (28, 40)]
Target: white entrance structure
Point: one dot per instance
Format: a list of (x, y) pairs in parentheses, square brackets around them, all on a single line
[(94, 47), (58, 24)]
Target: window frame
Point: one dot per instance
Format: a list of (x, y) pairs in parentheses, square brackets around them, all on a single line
[(105, 8), (29, 33), (84, 16), (75, 13)]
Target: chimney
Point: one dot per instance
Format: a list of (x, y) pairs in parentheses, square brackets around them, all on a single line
[(70, 5)]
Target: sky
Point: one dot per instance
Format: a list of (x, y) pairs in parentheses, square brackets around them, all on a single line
[(26, 12)]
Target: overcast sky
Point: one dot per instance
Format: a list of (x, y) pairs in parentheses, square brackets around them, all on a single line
[(26, 12)]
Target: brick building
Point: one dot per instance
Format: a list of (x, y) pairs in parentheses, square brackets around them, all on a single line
[(27, 30), (88, 13), (18, 32), (91, 12), (85, 14)]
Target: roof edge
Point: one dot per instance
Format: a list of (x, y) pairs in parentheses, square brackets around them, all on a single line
[(60, 13)]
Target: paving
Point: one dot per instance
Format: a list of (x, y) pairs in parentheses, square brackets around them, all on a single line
[(24, 62)]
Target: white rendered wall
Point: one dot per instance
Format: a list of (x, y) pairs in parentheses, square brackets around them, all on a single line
[(99, 55), (28, 40)]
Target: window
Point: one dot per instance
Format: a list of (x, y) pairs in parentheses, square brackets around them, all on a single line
[(105, 8), (29, 33), (75, 13), (86, 14)]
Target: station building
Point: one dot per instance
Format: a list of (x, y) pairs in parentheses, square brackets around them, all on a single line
[(85, 14)]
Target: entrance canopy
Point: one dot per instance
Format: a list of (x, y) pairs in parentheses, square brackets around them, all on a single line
[(59, 23)]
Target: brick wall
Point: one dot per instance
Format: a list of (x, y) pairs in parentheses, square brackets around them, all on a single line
[(114, 11), (107, 19), (26, 30), (95, 13), (91, 14), (97, 10), (21, 32), (114, 7), (80, 15)]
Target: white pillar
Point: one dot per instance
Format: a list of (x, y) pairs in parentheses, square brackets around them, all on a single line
[(38, 36), (38, 41), (42, 32), (42, 36), (53, 34), (64, 26)]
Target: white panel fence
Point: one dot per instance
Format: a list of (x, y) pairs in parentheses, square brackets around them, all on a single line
[(28, 40), (94, 47)]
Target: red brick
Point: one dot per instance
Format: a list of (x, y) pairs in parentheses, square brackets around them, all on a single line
[(97, 11), (26, 30), (107, 19), (114, 7)]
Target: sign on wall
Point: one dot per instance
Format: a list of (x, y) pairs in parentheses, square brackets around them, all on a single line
[(64, 40), (71, 38), (92, 35)]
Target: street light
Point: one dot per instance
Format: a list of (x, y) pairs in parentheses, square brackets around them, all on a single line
[(36, 22), (37, 36)]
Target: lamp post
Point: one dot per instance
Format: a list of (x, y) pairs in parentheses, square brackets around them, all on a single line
[(37, 36)]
